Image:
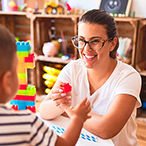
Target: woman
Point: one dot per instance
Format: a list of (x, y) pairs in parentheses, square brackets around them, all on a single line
[(111, 86)]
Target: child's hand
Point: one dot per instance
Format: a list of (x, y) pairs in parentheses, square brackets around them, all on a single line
[(80, 111)]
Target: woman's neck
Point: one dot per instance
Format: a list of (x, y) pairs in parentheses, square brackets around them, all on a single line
[(98, 76)]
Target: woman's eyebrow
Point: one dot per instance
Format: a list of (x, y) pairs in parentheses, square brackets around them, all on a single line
[(91, 37)]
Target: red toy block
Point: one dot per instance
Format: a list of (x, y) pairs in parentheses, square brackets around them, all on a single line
[(31, 108), (66, 87), (30, 58), (14, 107), (25, 97), (23, 87)]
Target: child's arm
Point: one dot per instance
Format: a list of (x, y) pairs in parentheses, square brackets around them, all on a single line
[(78, 115)]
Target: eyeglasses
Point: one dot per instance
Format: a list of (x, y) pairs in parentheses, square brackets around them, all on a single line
[(95, 44)]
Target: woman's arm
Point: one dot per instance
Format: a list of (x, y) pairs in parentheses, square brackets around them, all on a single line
[(49, 107), (115, 118)]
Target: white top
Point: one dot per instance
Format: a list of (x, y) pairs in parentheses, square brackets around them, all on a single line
[(124, 80), (23, 128)]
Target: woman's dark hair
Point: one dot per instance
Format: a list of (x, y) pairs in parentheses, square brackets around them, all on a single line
[(102, 17)]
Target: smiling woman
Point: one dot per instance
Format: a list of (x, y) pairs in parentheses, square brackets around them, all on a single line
[(109, 84)]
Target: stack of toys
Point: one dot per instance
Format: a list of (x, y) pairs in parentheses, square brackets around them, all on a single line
[(26, 95), (50, 77)]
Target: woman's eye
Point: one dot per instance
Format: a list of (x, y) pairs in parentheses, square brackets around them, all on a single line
[(95, 41), (80, 39)]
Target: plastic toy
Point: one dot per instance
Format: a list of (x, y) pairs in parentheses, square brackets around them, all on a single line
[(51, 70), (12, 5), (50, 77), (26, 95), (65, 87), (53, 8), (50, 49)]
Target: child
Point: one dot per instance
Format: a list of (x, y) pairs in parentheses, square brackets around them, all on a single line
[(23, 127)]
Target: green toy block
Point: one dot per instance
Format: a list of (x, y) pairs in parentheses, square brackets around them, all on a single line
[(22, 75), (30, 91)]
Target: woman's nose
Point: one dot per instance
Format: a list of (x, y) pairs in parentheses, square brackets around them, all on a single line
[(87, 47)]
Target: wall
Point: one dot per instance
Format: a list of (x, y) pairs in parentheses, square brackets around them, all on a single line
[(139, 6)]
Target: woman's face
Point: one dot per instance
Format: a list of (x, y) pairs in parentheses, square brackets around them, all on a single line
[(92, 58)]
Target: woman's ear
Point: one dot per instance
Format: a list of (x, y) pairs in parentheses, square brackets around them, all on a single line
[(7, 82), (113, 43)]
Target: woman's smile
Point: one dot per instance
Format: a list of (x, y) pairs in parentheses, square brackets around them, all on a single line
[(89, 57)]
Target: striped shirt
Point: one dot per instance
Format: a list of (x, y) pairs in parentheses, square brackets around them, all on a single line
[(23, 128)]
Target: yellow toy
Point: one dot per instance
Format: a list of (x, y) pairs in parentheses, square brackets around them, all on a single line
[(51, 70), (52, 7), (49, 77)]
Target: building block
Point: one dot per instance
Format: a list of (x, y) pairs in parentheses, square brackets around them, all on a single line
[(21, 69), (22, 81), (23, 46), (22, 104), (30, 91), (29, 65), (30, 58), (66, 87), (22, 76), (23, 86), (23, 53), (26, 95), (21, 60)]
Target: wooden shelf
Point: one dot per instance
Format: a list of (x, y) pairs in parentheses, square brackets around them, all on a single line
[(13, 13), (128, 27), (52, 59), (17, 23), (55, 16), (143, 73)]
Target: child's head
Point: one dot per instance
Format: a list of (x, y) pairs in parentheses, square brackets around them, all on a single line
[(8, 65)]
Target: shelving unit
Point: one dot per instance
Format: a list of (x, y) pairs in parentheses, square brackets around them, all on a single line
[(141, 51), (128, 27), (17, 23), (141, 61), (41, 26)]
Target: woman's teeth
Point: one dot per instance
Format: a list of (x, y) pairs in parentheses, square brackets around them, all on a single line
[(89, 57)]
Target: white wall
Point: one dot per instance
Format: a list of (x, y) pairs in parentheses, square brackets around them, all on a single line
[(139, 6), (84, 4)]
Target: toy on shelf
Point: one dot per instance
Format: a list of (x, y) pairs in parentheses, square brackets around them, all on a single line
[(26, 95), (12, 6), (50, 77), (50, 49), (52, 7)]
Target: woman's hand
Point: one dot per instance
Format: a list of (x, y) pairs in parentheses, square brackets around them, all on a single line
[(60, 98)]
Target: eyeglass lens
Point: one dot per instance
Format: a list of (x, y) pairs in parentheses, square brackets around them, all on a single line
[(94, 44)]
